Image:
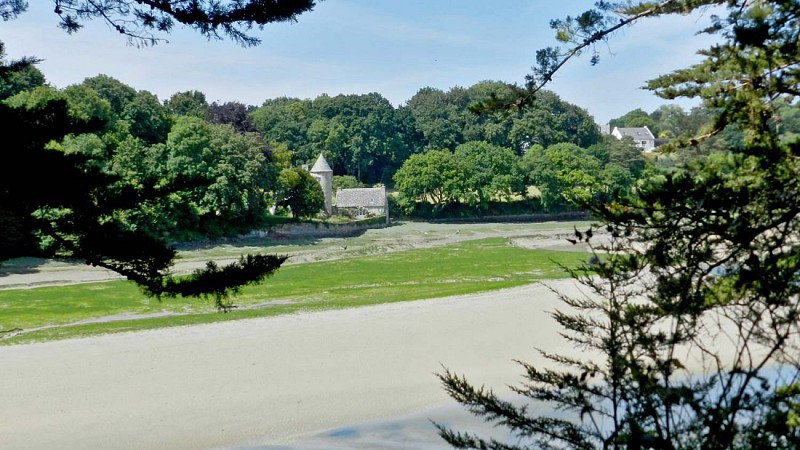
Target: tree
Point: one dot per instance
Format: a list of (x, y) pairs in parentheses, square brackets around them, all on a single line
[(300, 192), (433, 176), (82, 221), (285, 120), (448, 119), (488, 172), (115, 92), (346, 182), (437, 117), (188, 103), (495, 127), (147, 118), (621, 152), (234, 114), (141, 21), (82, 211), (22, 78), (565, 174), (689, 339), (360, 135)]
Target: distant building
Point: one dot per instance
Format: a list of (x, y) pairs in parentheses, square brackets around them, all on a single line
[(361, 201), (353, 202), (642, 137), (324, 174)]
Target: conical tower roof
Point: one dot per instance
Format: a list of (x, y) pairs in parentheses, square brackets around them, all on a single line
[(321, 165)]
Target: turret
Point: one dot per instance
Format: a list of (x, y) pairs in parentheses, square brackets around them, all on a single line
[(324, 175)]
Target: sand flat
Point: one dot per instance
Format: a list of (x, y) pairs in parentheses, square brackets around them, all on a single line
[(267, 380)]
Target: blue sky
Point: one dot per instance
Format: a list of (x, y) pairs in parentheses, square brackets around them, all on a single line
[(394, 47)]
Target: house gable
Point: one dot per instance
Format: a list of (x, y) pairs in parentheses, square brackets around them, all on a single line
[(642, 136)]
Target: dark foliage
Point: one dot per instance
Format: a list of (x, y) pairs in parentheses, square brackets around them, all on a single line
[(222, 282), (234, 114), (79, 212), (142, 21)]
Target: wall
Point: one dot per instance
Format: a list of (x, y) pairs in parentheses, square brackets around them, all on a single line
[(294, 230)]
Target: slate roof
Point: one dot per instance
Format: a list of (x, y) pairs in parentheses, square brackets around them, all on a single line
[(361, 197), (637, 133), (321, 165)]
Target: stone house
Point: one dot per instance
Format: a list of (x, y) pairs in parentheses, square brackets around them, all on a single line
[(361, 201)]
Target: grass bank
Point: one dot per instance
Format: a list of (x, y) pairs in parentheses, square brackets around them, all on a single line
[(461, 268)]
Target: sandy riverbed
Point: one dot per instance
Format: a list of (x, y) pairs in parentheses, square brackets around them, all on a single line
[(266, 381)]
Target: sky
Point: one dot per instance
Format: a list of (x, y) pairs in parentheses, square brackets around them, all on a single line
[(393, 47)]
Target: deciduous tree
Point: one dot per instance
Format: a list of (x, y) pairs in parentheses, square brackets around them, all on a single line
[(188, 103), (432, 176), (488, 172), (300, 192), (84, 211)]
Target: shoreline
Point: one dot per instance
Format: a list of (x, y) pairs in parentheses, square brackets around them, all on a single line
[(267, 381)]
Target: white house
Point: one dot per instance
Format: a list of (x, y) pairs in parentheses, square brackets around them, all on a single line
[(642, 137)]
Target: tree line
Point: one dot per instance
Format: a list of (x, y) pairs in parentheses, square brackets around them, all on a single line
[(436, 149)]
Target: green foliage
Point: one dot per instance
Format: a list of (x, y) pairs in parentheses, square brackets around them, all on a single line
[(85, 103), (147, 119), (34, 98), (475, 174), (107, 207), (431, 176), (511, 210), (622, 153), (448, 119), (360, 135), (548, 120), (282, 120), (300, 192), (188, 103), (25, 78), (488, 172), (565, 174), (438, 116), (635, 119), (671, 121), (688, 329), (116, 93), (222, 282), (345, 182), (226, 177)]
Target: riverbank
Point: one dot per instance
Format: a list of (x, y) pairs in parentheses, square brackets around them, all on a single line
[(267, 381)]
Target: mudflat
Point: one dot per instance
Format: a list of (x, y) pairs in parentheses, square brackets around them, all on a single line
[(269, 380)]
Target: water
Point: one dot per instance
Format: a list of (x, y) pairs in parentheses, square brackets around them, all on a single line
[(413, 431)]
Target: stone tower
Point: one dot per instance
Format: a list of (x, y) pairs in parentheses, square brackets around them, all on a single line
[(324, 174)]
